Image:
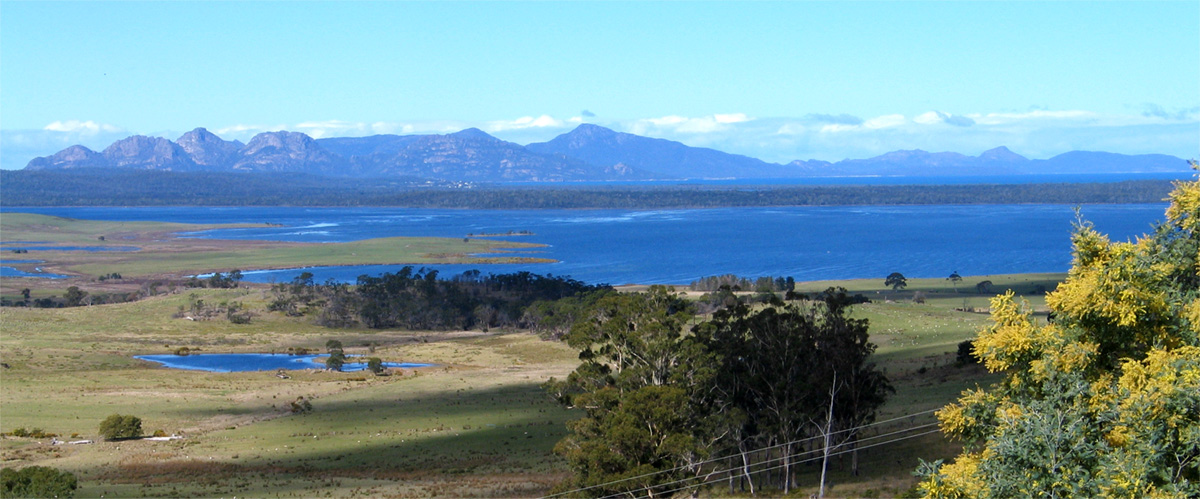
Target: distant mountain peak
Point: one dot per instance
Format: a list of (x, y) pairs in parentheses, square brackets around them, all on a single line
[(205, 148), (140, 151), (472, 133), (1001, 154), (76, 156), (592, 130)]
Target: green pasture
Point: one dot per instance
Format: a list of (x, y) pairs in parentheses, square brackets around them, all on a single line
[(34, 227), (475, 425), (392, 250)]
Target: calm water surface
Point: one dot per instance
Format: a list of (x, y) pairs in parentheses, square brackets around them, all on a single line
[(679, 246), (242, 362)]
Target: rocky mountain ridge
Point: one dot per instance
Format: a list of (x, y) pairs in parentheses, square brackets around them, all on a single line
[(589, 152)]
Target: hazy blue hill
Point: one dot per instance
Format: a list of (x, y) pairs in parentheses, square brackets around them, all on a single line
[(667, 159), (71, 157), (473, 155), (289, 152), (998, 161), (367, 146), (1106, 162)]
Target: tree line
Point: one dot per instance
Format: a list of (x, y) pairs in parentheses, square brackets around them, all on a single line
[(418, 299), (163, 188), (665, 405), (737, 283)]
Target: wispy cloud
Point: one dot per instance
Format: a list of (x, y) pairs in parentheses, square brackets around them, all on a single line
[(1035, 115), (938, 117), (76, 126), (682, 124), (543, 121), (1152, 110)]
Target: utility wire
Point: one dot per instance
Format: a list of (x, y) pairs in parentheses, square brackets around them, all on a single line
[(780, 458), (668, 493), (677, 468)]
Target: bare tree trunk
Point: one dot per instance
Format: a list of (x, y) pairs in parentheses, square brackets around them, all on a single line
[(787, 469), (828, 435), (854, 456)]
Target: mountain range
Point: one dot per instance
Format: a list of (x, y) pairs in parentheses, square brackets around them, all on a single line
[(589, 152)]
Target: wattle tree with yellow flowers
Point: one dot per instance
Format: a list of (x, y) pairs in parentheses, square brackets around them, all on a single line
[(1102, 401)]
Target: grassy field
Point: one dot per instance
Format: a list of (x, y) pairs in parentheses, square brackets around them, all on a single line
[(476, 425)]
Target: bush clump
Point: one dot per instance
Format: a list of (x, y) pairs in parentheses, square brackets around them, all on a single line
[(37, 481), (119, 427)]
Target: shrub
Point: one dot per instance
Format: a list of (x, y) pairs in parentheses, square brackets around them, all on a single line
[(118, 427), (37, 481), (375, 365), (966, 354), (301, 406)]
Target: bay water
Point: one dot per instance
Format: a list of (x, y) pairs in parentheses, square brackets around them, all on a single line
[(679, 246)]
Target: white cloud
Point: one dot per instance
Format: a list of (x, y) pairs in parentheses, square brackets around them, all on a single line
[(885, 121), (667, 120), (543, 121), (76, 126), (835, 128), (731, 118), (1006, 118), (682, 124), (938, 117), (930, 118)]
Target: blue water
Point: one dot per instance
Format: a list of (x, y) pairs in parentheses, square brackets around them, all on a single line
[(242, 362), (6, 271), (679, 246)]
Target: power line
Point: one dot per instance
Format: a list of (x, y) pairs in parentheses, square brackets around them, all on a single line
[(780, 458), (677, 468), (715, 480)]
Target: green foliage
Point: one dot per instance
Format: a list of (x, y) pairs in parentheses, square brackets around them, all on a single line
[(375, 365), (738, 283), (337, 356), (657, 400), (37, 481), (896, 281), (778, 366), (966, 354), (642, 389), (119, 427), (74, 296), (418, 299), (1105, 400)]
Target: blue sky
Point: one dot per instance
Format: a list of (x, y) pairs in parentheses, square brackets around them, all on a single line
[(774, 80)]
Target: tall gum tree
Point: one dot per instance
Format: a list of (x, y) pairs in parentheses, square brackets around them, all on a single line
[(1103, 401)]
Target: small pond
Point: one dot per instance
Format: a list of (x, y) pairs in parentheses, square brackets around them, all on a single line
[(241, 362), (6, 271)]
